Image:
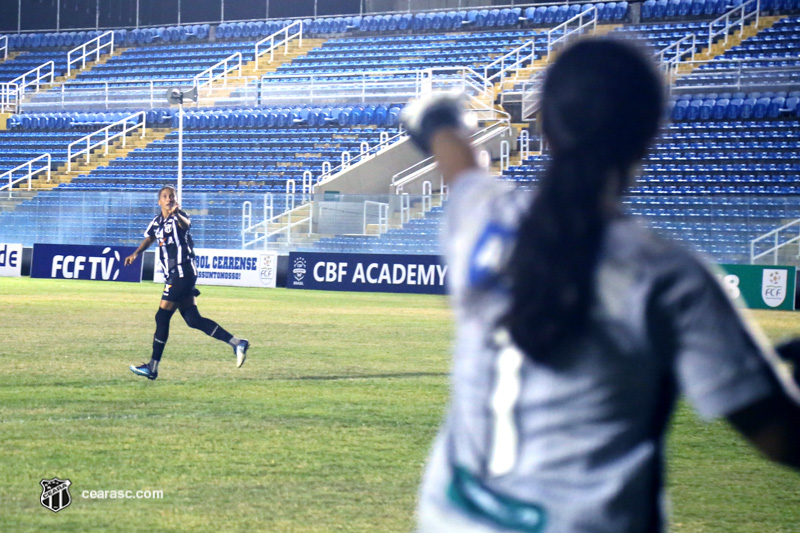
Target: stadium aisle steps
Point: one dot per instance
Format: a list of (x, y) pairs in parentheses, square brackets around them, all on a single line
[(118, 51), (60, 175), (734, 39), (11, 57), (220, 93)]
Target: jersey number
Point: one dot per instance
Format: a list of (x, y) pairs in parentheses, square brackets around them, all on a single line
[(505, 434)]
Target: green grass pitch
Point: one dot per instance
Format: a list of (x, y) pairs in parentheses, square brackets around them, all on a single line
[(325, 428)]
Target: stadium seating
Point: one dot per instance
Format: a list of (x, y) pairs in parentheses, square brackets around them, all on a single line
[(724, 171)]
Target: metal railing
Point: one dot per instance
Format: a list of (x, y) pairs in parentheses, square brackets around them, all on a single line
[(514, 60), (274, 43), (777, 243), (208, 76), (247, 221), (383, 216), (562, 33), (330, 173), (90, 48), (738, 16), (286, 226), (532, 94), (4, 46), (29, 176), (369, 86), (739, 74), (424, 167), (128, 124), (40, 75), (9, 98)]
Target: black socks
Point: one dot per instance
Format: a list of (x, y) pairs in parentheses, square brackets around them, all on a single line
[(163, 317), (193, 319)]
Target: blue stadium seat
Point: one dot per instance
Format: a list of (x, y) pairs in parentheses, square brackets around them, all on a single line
[(775, 106), (538, 17), (746, 109), (720, 108), (660, 9), (621, 11), (760, 108)]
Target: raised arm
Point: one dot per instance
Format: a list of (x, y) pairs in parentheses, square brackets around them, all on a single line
[(773, 424), (180, 217), (437, 126), (142, 247)]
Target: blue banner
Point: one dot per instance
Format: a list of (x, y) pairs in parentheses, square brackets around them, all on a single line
[(68, 261), (422, 274)]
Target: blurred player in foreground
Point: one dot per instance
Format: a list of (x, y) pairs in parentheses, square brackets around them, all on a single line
[(577, 329), (176, 254)]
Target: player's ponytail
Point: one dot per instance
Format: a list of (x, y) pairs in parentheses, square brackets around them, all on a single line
[(601, 106)]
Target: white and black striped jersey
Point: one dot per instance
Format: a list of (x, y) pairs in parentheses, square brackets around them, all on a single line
[(175, 246)]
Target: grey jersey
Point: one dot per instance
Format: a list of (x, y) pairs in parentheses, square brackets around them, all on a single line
[(577, 444)]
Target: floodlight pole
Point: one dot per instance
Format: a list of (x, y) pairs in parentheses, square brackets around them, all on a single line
[(180, 150)]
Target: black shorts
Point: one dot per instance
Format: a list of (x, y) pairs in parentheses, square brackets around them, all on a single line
[(178, 289)]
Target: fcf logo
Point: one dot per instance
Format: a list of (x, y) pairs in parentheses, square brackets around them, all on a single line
[(773, 286), (55, 493)]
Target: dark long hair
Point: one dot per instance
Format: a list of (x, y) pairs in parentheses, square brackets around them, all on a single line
[(601, 106)]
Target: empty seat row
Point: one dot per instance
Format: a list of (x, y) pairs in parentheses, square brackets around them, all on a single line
[(735, 108), (32, 121), (137, 36), (237, 30), (674, 9), (284, 116), (476, 18)]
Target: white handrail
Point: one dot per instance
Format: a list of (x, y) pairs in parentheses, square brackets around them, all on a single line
[(200, 79), (24, 83), (741, 20), (330, 173), (427, 196), (661, 55), (383, 216), (778, 245), (9, 98), (378, 85), (551, 42), (4, 46), (414, 172), (524, 145), (531, 94), (505, 155), (274, 45), (127, 126), (247, 219), (520, 55), (28, 176), (680, 56), (85, 52)]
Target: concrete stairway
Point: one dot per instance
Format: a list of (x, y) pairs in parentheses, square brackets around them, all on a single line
[(59, 173), (221, 90)]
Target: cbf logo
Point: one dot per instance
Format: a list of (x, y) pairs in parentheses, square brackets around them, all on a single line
[(55, 494), (773, 286), (299, 269)]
